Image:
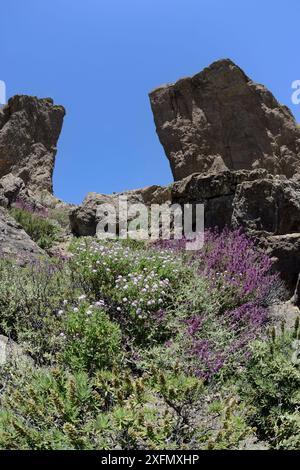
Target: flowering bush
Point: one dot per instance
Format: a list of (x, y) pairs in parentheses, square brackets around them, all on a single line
[(90, 341), (239, 280), (139, 285), (136, 346), (233, 265)]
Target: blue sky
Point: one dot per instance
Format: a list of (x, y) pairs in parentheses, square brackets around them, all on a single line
[(100, 58)]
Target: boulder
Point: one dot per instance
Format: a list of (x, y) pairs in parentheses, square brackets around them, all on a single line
[(220, 119), (285, 250), (29, 131), (12, 352), (83, 218), (11, 188), (15, 244)]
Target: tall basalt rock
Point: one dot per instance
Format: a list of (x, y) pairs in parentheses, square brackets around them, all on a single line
[(220, 119), (29, 131)]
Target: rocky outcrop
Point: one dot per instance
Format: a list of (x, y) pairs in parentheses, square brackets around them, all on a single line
[(29, 131), (220, 119), (15, 244), (270, 205), (11, 188), (84, 219), (285, 250), (215, 191)]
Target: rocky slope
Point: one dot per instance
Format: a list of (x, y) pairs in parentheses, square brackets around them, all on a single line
[(230, 144), (15, 244), (232, 147)]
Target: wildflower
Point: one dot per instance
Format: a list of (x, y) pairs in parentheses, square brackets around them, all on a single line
[(82, 297)]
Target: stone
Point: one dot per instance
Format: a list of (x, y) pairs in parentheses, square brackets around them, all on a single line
[(11, 187), (215, 191), (15, 244), (220, 119), (83, 218), (12, 352), (29, 131), (270, 205), (296, 296), (285, 250)]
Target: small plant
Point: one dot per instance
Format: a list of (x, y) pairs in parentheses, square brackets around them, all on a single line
[(41, 230), (91, 340), (271, 387)]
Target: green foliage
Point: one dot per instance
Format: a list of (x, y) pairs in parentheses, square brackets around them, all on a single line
[(31, 301), (44, 409), (132, 348), (140, 283), (40, 229), (272, 388), (91, 340)]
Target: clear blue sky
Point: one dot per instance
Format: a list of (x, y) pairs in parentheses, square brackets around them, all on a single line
[(100, 58)]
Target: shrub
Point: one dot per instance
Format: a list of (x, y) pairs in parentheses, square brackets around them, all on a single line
[(271, 388), (141, 348), (234, 266), (49, 409), (137, 284), (31, 302), (91, 340), (41, 230), (52, 409)]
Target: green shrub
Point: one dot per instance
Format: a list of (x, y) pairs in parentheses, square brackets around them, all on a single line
[(91, 340), (31, 302), (139, 284), (49, 409), (41, 230), (133, 349), (271, 388), (52, 409)]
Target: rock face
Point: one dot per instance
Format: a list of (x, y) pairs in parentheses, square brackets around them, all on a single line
[(216, 191), (83, 218), (220, 119), (15, 244), (270, 205), (29, 130)]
